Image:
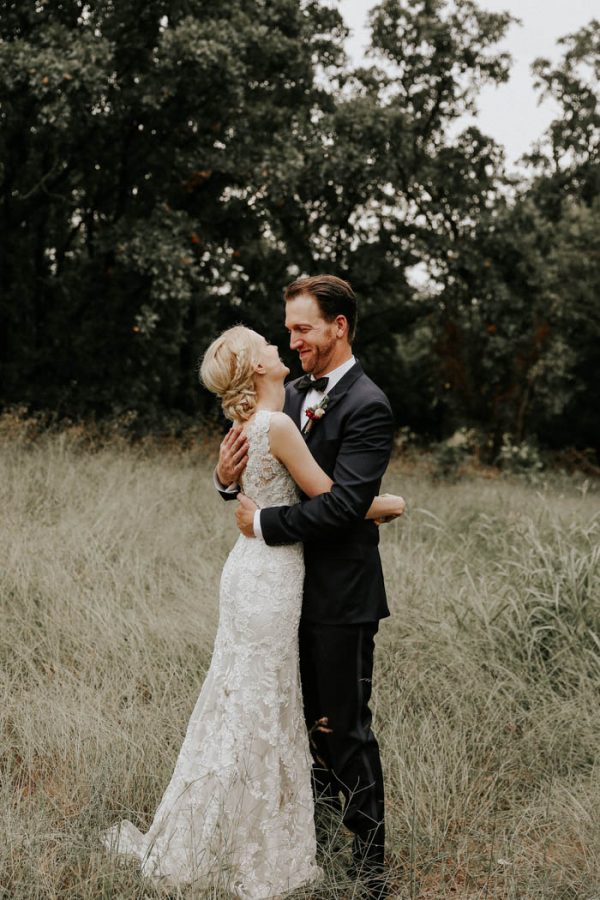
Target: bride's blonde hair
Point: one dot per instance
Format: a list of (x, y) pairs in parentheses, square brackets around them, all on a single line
[(227, 370)]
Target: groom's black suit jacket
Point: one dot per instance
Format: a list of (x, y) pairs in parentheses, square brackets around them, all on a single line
[(352, 442)]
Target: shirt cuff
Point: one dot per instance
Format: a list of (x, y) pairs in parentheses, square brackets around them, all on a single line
[(232, 488), (256, 525)]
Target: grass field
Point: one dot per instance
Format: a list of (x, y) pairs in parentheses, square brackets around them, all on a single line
[(487, 682)]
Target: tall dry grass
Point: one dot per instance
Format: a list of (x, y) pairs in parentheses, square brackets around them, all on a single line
[(487, 680)]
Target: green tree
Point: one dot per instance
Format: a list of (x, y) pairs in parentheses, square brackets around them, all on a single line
[(565, 160), (518, 313), (382, 188), (142, 146)]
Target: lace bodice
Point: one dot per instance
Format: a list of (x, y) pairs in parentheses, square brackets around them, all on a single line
[(266, 480)]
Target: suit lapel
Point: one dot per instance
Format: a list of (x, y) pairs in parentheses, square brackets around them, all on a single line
[(336, 394), (345, 383), (293, 403), (294, 398)]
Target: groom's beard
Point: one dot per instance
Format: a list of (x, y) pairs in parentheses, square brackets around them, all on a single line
[(319, 357)]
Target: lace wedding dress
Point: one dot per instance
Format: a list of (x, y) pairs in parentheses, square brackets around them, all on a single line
[(238, 809)]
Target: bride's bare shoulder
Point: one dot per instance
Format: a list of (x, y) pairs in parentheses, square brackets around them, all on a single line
[(283, 433), (281, 423)]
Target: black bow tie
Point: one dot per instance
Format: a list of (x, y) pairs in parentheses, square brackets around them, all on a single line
[(306, 383)]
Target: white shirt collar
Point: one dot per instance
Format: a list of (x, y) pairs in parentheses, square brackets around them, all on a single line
[(336, 374)]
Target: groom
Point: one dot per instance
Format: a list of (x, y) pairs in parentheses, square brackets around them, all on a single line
[(344, 593)]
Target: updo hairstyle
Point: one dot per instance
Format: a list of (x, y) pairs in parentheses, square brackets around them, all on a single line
[(227, 370)]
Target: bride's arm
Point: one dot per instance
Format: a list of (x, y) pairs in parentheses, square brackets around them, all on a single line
[(289, 447)]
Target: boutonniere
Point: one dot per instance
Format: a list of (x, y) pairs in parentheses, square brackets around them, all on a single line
[(314, 413)]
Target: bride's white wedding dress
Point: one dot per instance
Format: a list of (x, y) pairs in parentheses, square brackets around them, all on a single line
[(239, 805)]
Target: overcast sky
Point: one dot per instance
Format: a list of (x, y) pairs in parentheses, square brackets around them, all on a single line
[(509, 113)]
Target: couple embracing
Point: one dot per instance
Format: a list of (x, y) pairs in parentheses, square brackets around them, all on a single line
[(283, 717)]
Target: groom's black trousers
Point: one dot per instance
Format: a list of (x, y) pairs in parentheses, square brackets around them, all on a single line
[(336, 667)]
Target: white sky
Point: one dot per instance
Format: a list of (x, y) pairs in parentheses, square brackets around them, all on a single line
[(509, 113)]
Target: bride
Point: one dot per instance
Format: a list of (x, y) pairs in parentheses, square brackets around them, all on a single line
[(239, 804)]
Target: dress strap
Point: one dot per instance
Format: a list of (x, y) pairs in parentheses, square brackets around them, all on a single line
[(257, 431), (261, 422)]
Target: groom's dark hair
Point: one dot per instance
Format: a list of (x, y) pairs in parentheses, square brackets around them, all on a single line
[(334, 296)]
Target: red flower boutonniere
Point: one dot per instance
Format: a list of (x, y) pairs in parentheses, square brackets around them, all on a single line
[(314, 413)]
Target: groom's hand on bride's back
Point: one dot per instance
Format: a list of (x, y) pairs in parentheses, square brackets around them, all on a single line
[(233, 456)]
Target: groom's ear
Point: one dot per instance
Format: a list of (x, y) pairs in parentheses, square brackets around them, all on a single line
[(341, 326)]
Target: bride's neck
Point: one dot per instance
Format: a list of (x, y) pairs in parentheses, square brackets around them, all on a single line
[(270, 395)]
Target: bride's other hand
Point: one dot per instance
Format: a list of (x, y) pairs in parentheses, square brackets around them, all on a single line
[(244, 515), (389, 507), (233, 456)]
